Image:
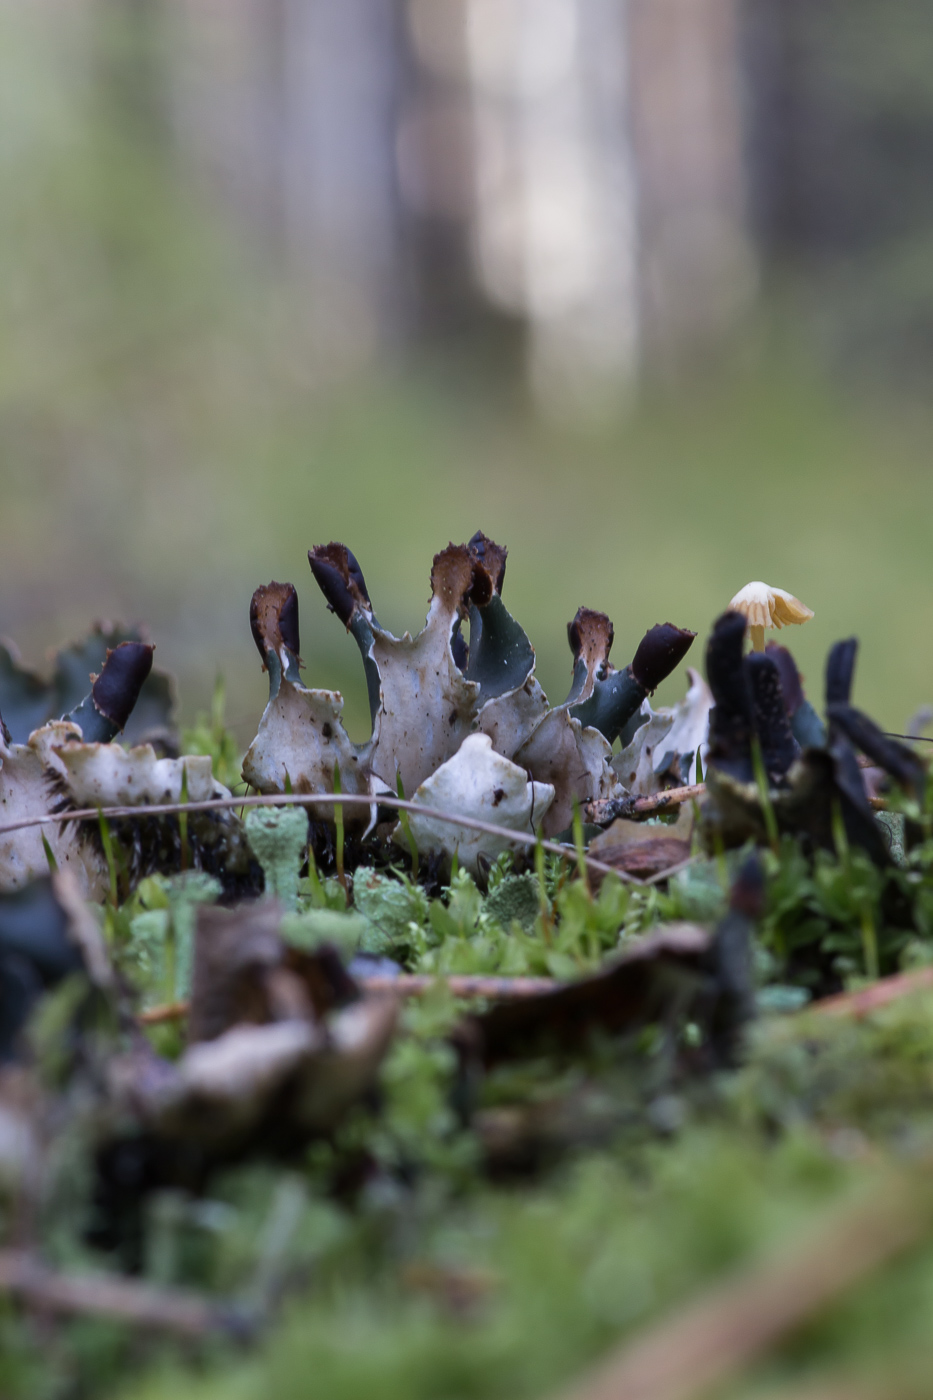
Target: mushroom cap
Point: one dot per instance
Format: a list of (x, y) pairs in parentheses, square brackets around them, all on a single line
[(764, 606)]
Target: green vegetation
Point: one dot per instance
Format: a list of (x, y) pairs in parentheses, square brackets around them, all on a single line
[(401, 1263), (172, 435), (464, 1290)]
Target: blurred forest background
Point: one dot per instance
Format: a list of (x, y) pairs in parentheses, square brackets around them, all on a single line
[(643, 288)]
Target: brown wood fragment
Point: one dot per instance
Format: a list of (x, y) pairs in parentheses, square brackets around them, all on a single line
[(647, 858), (654, 976), (607, 809)]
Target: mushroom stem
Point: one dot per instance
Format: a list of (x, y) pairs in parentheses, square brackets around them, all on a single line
[(758, 638)]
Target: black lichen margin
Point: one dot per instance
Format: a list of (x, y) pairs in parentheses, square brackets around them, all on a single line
[(104, 712), (779, 748), (659, 652), (273, 618), (618, 695), (340, 578), (125, 671)]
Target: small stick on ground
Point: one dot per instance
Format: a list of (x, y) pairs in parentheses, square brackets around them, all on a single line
[(496, 988), (24, 1277), (607, 809), (714, 1338), (406, 984), (317, 799)]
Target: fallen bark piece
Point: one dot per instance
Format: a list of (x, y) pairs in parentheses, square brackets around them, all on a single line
[(25, 1278), (711, 1340), (283, 1081), (647, 859), (645, 851), (678, 970), (661, 972), (280, 1041)]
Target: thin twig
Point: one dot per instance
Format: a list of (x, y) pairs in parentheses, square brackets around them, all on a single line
[(414, 984), (25, 1277), (712, 1339), (404, 984), (325, 799), (607, 809)]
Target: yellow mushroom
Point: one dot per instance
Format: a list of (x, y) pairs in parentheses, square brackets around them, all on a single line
[(766, 607)]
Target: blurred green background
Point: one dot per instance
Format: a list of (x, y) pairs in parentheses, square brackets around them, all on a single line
[(181, 418)]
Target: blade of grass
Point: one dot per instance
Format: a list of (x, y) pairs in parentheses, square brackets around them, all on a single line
[(183, 819), (107, 842), (543, 901), (405, 824), (580, 848), (314, 880), (338, 823), (764, 797), (49, 856)]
